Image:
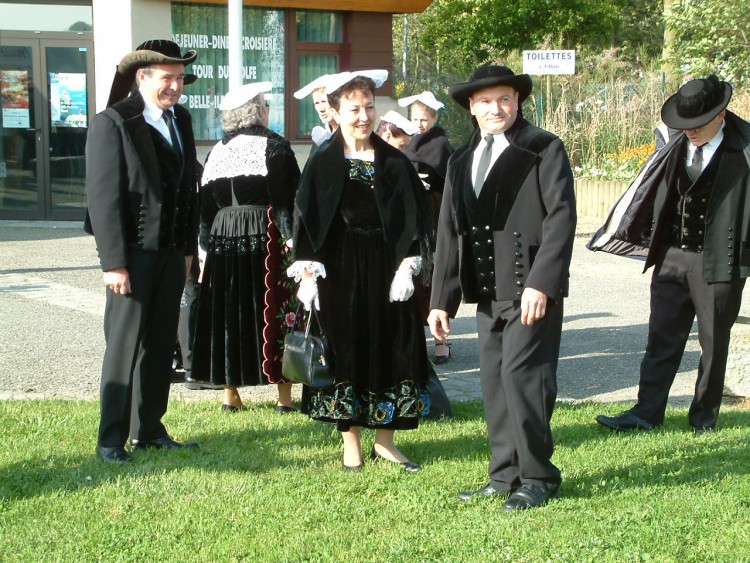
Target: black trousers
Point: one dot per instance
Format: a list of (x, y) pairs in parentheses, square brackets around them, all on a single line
[(518, 373), (139, 330), (678, 296)]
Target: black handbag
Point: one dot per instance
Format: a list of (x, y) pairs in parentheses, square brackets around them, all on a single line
[(306, 356)]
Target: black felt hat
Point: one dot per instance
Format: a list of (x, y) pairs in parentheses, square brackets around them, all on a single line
[(491, 75), (696, 103), (151, 52)]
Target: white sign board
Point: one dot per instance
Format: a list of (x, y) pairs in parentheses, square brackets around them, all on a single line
[(549, 62)]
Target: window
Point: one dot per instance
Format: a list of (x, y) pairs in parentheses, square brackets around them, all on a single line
[(319, 50), (204, 28)]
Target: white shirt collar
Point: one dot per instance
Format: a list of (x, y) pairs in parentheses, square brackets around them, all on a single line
[(151, 110)]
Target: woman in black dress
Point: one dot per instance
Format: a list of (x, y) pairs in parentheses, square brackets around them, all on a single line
[(362, 232), (246, 303), (429, 150)]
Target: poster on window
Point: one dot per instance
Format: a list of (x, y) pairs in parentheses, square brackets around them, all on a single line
[(14, 90), (67, 99)]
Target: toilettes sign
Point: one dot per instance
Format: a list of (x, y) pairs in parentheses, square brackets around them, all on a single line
[(549, 62)]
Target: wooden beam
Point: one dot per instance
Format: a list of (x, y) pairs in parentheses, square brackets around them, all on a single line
[(391, 6)]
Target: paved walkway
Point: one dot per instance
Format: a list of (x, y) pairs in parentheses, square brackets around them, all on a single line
[(52, 300)]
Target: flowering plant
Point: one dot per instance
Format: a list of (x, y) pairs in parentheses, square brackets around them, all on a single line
[(621, 165)]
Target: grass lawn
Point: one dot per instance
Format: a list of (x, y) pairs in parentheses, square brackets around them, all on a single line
[(268, 487)]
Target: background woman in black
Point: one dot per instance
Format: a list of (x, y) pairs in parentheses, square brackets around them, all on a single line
[(363, 231), (246, 303), (429, 150)]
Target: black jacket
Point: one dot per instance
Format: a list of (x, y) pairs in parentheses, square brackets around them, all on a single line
[(138, 197), (526, 209)]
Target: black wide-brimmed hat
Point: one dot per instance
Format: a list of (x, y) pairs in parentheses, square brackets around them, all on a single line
[(151, 52), (696, 103), (487, 76)]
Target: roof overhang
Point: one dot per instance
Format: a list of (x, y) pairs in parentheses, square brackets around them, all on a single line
[(392, 6)]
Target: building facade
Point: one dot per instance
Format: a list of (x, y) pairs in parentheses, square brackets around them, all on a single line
[(58, 58)]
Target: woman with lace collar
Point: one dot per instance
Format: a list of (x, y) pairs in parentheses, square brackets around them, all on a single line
[(246, 303)]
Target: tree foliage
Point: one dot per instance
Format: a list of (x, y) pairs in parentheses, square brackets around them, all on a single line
[(711, 37)]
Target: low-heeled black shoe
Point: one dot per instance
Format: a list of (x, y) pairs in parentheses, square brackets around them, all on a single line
[(485, 492), (528, 496), (116, 455), (283, 408), (351, 468), (440, 360), (407, 465), (165, 443), (231, 408), (624, 422), (701, 430)]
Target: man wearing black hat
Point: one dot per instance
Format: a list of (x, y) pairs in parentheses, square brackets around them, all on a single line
[(504, 241), (692, 210), (142, 209)]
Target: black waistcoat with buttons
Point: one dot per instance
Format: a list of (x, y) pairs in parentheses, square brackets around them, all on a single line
[(481, 275), (686, 221)]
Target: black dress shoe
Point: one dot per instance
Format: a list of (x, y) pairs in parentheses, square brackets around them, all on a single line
[(165, 443), (487, 491), (528, 496), (116, 455), (407, 465), (232, 408), (700, 430), (283, 408), (351, 468), (624, 422)]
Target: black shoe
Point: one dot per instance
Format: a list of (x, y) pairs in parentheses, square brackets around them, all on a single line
[(700, 430), (116, 455), (351, 468), (624, 422), (165, 443), (283, 408), (528, 496), (487, 491), (440, 360), (232, 408), (407, 465), (196, 385), (177, 376)]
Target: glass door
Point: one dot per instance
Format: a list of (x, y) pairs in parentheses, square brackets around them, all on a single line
[(47, 99), (67, 106), (21, 173)]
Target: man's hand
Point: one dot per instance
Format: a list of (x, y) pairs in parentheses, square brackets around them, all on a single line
[(533, 306), (118, 280), (440, 324), (188, 264)]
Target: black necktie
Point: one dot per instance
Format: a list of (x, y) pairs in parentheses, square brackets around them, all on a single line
[(484, 164), (694, 170), (169, 118)]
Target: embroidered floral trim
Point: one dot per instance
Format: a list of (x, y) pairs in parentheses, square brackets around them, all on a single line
[(315, 268), (340, 402), (230, 246), (361, 170), (244, 155)]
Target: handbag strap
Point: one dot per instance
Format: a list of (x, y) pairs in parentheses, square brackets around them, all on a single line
[(313, 313)]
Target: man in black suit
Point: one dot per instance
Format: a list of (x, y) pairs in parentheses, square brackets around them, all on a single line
[(504, 241), (142, 210), (693, 213)]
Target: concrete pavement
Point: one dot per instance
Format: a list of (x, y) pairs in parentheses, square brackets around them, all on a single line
[(52, 300)]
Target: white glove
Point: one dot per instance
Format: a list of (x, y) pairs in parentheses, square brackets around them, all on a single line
[(402, 286), (308, 285), (308, 293)]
